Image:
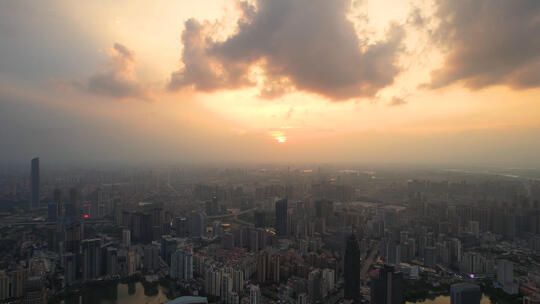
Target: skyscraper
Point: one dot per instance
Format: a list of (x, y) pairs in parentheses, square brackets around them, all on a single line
[(71, 209), (126, 238), (254, 294), (151, 258), (197, 225), (505, 276), (70, 267), (168, 247), (51, 212), (315, 286), (464, 293), (141, 227), (91, 258), (281, 217), (352, 269), (262, 265), (259, 219), (34, 183), (111, 262), (58, 202), (387, 287), (181, 265), (72, 238)]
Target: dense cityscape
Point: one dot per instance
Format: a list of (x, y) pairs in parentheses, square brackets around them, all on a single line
[(269, 234), (270, 152)]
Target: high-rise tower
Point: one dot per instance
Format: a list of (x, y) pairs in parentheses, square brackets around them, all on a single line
[(352, 269), (281, 217), (34, 182)]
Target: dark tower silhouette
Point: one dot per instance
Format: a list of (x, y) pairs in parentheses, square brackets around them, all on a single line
[(281, 217), (352, 269), (58, 201), (462, 293), (34, 181), (387, 288), (259, 219), (72, 210)]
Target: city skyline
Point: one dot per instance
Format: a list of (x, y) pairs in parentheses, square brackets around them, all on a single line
[(270, 151), (198, 82)]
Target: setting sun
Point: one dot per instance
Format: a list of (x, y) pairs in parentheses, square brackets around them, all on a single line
[(279, 136)]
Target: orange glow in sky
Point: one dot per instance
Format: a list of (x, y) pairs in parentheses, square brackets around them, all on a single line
[(185, 76), (278, 136)]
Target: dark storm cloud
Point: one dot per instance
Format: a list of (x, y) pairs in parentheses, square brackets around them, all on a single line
[(488, 42), (309, 45), (117, 79)]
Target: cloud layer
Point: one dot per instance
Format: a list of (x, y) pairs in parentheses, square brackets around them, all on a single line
[(307, 45), (117, 79), (488, 42)]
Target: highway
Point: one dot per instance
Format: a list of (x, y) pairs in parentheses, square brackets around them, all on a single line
[(369, 261), (32, 223), (222, 216)]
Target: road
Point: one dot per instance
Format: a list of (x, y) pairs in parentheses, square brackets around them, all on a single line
[(369, 262), (222, 216), (51, 223)]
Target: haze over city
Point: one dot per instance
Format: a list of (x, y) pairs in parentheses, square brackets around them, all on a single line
[(326, 81), (270, 151)]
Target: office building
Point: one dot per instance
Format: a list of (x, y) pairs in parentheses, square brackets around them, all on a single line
[(72, 208), (387, 287), (111, 262), (91, 252), (126, 238), (505, 276), (168, 247), (57, 195), (197, 225), (141, 227), (302, 298), (70, 267), (51, 212), (259, 218), (226, 287), (464, 293), (72, 238), (352, 269), (315, 286), (238, 280), (151, 258), (254, 294), (181, 265), (34, 183), (281, 218)]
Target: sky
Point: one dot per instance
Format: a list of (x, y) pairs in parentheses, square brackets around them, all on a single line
[(418, 81)]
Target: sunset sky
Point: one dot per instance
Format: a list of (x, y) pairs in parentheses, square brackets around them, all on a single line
[(447, 81)]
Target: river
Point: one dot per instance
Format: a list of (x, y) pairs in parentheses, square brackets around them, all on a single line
[(121, 293), (446, 300), (137, 293)]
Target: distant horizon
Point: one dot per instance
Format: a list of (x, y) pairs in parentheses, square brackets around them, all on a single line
[(281, 165), (271, 81)]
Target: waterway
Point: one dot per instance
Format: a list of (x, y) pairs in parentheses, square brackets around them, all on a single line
[(446, 300), (137, 293), (121, 293)]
